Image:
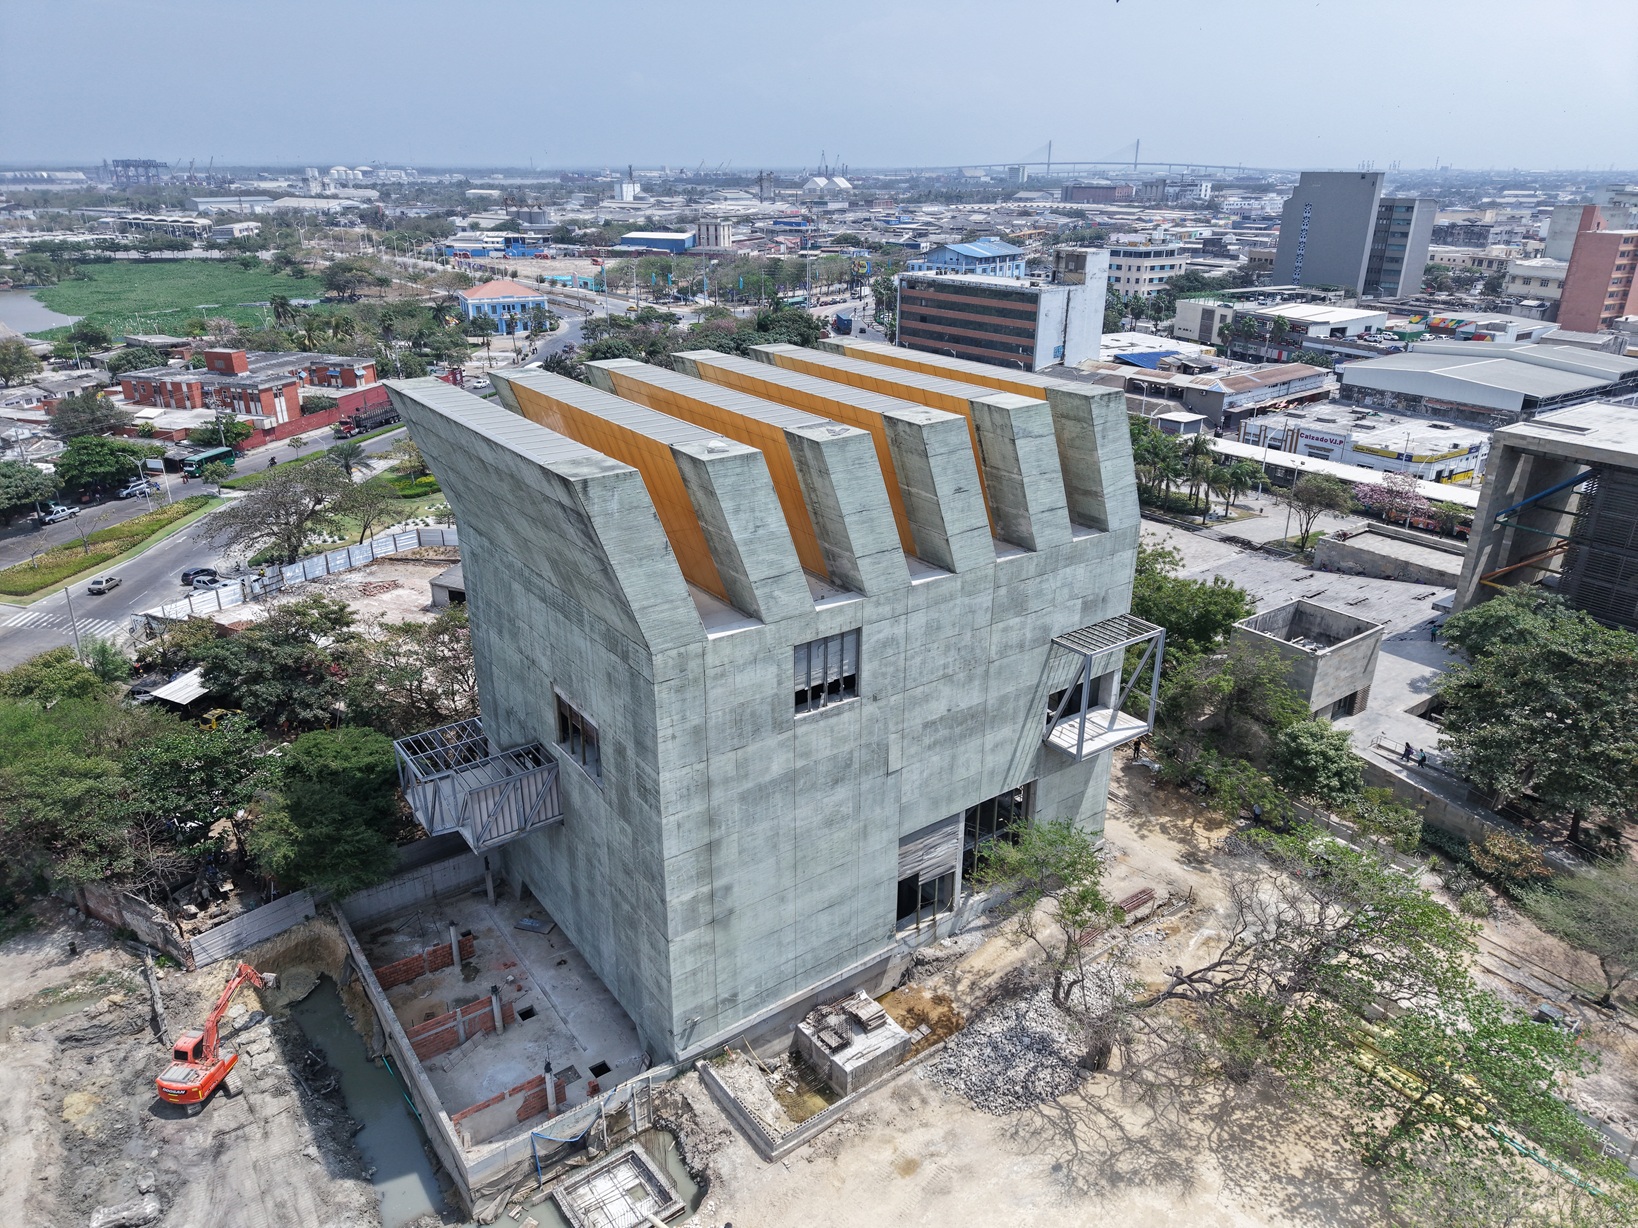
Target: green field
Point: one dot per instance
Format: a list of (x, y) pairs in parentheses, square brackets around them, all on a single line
[(159, 297)]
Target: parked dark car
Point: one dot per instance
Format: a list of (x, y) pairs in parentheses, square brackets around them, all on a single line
[(194, 573)]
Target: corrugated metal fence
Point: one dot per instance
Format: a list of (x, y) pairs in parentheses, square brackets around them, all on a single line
[(247, 929), (383, 545)]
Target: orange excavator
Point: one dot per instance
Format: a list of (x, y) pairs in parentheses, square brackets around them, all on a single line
[(198, 1065)]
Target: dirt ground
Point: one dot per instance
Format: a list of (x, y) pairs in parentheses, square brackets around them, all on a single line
[(81, 1128), (913, 1152)]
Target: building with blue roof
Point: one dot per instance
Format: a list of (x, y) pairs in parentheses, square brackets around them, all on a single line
[(990, 257)]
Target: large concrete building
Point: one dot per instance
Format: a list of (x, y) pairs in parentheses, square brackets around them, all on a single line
[(1010, 322), (1560, 507), (1337, 229), (767, 650)]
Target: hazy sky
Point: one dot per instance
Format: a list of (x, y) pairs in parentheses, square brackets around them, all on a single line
[(1283, 83)]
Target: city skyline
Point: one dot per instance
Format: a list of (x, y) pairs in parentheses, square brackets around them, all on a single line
[(416, 83)]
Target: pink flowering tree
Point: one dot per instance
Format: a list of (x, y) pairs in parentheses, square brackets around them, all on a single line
[(1395, 497)]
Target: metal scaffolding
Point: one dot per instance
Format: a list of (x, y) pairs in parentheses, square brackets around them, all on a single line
[(1086, 718), (454, 780)]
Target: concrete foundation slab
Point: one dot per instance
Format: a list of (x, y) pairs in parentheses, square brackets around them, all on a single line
[(562, 1013)]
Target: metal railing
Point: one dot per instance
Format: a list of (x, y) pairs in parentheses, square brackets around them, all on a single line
[(455, 780)]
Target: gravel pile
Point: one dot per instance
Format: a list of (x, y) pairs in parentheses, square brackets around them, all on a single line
[(1014, 1056)]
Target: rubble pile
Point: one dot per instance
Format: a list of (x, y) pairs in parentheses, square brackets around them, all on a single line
[(1019, 1053)]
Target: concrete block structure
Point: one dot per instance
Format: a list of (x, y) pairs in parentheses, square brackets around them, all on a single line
[(1330, 656), (792, 651)]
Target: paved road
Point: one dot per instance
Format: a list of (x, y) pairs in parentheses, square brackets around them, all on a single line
[(149, 579), (24, 537)]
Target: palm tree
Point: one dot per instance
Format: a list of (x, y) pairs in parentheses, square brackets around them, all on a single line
[(349, 454), (284, 312), (1198, 460)]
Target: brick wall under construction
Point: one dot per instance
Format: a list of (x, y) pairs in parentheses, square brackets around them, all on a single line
[(433, 959), (445, 1032)]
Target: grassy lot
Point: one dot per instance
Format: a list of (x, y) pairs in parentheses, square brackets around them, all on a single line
[(54, 567), (131, 296)]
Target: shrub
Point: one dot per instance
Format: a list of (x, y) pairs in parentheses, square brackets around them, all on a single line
[(1513, 863), (1377, 814), (1473, 904)]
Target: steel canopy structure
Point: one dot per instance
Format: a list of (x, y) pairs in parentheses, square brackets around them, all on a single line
[(1086, 717), (455, 780)]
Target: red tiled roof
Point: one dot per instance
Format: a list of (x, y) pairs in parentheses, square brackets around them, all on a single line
[(504, 288)]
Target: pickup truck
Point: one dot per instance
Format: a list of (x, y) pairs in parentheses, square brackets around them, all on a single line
[(53, 512)]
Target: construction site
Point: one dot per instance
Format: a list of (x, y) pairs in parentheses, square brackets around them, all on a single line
[(955, 1098), (769, 650)]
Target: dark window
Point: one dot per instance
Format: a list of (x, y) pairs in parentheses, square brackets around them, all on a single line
[(922, 899), (577, 738), (998, 818), (826, 671)]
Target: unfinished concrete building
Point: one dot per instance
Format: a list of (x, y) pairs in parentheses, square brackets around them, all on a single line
[(763, 664), (1560, 508), (1330, 656)]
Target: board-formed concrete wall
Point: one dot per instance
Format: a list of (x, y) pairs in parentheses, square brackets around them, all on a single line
[(1328, 655), (736, 855)]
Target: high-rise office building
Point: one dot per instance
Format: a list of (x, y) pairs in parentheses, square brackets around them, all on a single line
[(1337, 229), (1601, 283)]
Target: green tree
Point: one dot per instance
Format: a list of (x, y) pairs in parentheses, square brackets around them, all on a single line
[(371, 504), (87, 413), (90, 335), (1313, 759), (1436, 278), (1547, 705), (22, 486), (1311, 497), (1473, 1051), (223, 433), (1493, 284), (52, 677), (1050, 877), (184, 778), (1197, 614), (1378, 815), (287, 671), (95, 460), (337, 811), (17, 361), (135, 358), (1597, 911), (285, 511), (407, 458), (347, 279), (412, 676), (349, 454)]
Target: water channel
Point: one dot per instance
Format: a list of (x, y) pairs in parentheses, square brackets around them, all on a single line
[(27, 314), (392, 1141)]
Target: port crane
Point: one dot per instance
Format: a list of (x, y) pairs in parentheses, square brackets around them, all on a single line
[(198, 1064)]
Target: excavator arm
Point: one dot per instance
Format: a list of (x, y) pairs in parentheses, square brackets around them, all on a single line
[(210, 1049)]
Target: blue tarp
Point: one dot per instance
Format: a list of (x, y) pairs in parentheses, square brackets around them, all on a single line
[(1149, 361)]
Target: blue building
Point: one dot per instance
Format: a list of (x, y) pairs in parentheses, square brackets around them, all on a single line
[(987, 257), (507, 303), (660, 240)]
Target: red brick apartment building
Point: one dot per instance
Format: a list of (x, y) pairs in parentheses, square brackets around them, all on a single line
[(250, 383), (1601, 284)]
